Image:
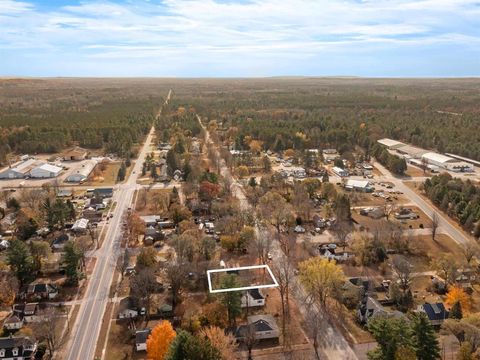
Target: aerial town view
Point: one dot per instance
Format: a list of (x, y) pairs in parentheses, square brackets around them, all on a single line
[(237, 180)]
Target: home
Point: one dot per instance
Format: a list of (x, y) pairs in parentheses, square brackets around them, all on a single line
[(265, 328), (80, 225), (152, 234), (126, 309), (42, 291), (60, 241), (17, 347), (329, 251), (141, 337), (13, 322), (150, 220), (436, 313), (63, 193), (103, 192), (339, 171), (252, 298), (371, 308), (405, 213)]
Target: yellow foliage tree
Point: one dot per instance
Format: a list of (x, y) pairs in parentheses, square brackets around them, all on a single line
[(322, 278), (224, 343), (289, 153), (242, 171), (457, 294), (159, 341)]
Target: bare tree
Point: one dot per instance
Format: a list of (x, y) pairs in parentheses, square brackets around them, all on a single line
[(341, 230), (261, 245), (177, 276), (48, 328), (314, 322), (388, 209), (470, 250), (403, 270), (282, 270), (435, 224), (396, 238), (250, 339), (142, 286), (123, 262)]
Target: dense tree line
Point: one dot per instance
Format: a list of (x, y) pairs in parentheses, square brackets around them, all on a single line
[(394, 163), (457, 198)]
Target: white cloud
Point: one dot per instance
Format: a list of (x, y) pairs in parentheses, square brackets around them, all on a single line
[(181, 30)]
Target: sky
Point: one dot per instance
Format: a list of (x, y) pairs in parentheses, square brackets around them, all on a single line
[(240, 38)]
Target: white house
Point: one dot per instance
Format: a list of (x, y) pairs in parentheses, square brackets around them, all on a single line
[(253, 298), (80, 225), (339, 171), (45, 171)]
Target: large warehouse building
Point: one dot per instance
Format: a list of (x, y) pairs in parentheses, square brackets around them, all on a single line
[(20, 170), (421, 157), (45, 171), (447, 162), (80, 175)]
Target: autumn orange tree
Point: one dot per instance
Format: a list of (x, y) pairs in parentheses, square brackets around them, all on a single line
[(457, 294), (158, 342)]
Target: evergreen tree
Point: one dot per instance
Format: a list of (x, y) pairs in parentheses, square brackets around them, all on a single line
[(122, 172), (231, 299), (425, 341), (190, 347), (456, 311), (71, 257), (20, 260), (390, 334), (252, 182)]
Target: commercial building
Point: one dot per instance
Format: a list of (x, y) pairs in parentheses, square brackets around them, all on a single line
[(358, 185), (75, 154), (390, 143), (20, 170), (446, 162), (79, 175), (45, 171)]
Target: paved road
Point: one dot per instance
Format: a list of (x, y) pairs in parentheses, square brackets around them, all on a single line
[(444, 225), (333, 344), (89, 321)]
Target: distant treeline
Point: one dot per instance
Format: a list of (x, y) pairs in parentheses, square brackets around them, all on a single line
[(459, 199), (62, 114)]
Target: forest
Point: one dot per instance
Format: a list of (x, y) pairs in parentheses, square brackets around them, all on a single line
[(459, 199), (298, 113), (47, 116)]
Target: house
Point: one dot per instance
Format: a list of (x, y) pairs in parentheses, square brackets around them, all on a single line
[(436, 313), (60, 242), (80, 225), (177, 175), (20, 170), (92, 214), (359, 185), (252, 298), (150, 220), (28, 312), (126, 309), (45, 171), (328, 251), (42, 291), (339, 171), (371, 308), (17, 347), (405, 213), (299, 173), (264, 325), (64, 193), (103, 192), (75, 154), (13, 322), (299, 229), (80, 175), (141, 337), (152, 234)]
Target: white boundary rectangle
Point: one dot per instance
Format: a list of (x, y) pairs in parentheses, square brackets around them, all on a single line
[(244, 288)]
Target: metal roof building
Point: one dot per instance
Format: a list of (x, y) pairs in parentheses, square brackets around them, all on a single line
[(81, 174), (20, 170), (45, 171), (390, 143), (411, 151)]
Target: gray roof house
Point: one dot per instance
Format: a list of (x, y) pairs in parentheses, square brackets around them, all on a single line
[(141, 337), (17, 347), (253, 298), (265, 326), (436, 313)]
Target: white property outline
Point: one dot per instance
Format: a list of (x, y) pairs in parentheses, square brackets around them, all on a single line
[(253, 267)]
